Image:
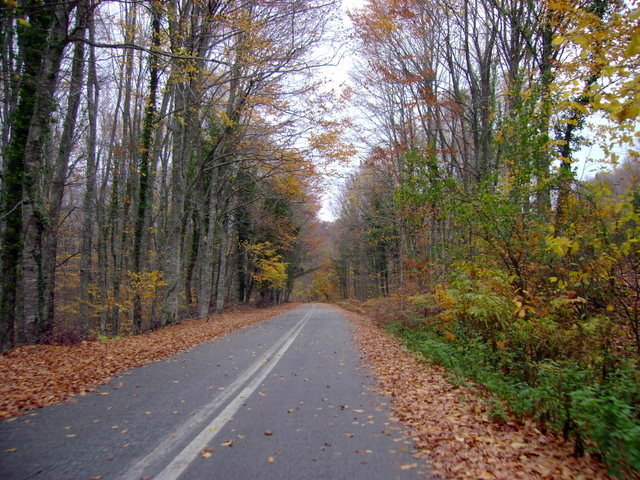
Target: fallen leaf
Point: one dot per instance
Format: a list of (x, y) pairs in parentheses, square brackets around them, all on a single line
[(206, 452), (270, 459), (228, 443), (36, 377), (268, 433), (10, 450)]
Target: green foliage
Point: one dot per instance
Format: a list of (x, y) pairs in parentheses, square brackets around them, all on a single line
[(608, 414), (563, 394), (107, 338), (479, 298)]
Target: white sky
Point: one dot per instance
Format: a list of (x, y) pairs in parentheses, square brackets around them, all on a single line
[(338, 76)]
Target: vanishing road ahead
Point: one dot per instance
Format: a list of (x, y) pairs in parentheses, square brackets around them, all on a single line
[(283, 399)]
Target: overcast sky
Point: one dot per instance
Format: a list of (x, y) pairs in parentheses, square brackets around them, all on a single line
[(338, 77)]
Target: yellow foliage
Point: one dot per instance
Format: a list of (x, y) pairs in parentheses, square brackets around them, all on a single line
[(144, 284), (609, 48), (226, 121), (289, 186), (271, 271), (330, 144), (562, 245)]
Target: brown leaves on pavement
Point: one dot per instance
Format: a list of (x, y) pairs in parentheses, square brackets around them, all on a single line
[(451, 426), (37, 375)]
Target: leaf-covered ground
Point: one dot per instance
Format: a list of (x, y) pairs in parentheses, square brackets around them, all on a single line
[(451, 425), (37, 375)]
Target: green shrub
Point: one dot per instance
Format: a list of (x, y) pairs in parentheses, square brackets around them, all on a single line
[(602, 414), (608, 414)]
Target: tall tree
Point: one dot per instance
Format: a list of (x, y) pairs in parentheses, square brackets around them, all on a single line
[(41, 39)]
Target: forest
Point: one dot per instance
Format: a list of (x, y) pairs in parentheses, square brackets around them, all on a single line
[(159, 159), (163, 160)]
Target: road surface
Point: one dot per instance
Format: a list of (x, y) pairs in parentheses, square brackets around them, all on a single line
[(283, 399)]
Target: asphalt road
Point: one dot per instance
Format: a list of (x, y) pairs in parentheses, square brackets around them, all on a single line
[(283, 399)]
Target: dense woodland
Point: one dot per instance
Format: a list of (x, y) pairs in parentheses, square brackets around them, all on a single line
[(469, 216), (159, 159)]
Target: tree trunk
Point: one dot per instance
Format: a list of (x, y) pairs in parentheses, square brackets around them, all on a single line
[(193, 257), (144, 186), (89, 202), (222, 264), (62, 165), (184, 131), (42, 43), (543, 193), (205, 280)]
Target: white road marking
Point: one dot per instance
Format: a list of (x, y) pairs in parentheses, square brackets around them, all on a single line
[(255, 374)]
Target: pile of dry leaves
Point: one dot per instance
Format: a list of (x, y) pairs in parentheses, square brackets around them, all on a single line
[(452, 427), (39, 375)]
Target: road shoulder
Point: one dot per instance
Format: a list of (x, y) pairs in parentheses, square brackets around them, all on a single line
[(34, 376), (451, 425)]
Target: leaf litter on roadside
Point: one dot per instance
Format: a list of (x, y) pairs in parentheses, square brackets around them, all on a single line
[(37, 375), (450, 425)]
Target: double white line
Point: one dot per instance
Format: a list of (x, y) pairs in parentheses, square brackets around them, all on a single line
[(251, 379)]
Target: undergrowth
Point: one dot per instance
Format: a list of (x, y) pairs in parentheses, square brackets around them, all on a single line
[(598, 412)]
